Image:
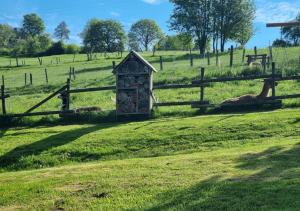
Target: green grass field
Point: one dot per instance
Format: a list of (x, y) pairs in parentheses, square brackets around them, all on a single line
[(178, 160)]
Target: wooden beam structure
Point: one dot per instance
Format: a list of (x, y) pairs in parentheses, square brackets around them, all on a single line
[(291, 23)]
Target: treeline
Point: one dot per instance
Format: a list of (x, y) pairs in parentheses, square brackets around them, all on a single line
[(32, 40)]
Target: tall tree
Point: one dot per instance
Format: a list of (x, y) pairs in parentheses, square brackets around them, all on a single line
[(145, 32), (62, 32), (193, 17), (103, 36), (33, 25), (292, 33), (231, 18)]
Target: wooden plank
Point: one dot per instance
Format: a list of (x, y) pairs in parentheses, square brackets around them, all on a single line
[(46, 99), (244, 78), (295, 23), (178, 86), (94, 89), (3, 99)]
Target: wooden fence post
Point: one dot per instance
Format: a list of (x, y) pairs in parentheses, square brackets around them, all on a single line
[(68, 95), (30, 76), (273, 80), (271, 53), (255, 51), (244, 53), (3, 99), (231, 56), (191, 60), (3, 82), (73, 73), (202, 86), (264, 61), (46, 75), (208, 58), (114, 64), (161, 63)]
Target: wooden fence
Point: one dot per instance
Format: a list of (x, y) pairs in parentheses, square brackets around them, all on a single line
[(66, 90)]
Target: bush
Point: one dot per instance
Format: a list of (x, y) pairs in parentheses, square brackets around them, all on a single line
[(57, 48), (281, 43), (72, 49)]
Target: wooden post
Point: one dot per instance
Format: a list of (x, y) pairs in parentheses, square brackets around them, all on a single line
[(255, 51), (161, 63), (25, 78), (46, 75), (191, 60), (114, 64), (244, 53), (68, 95), (202, 87), (30, 77), (273, 80), (208, 58), (73, 73), (231, 56), (3, 82), (3, 99), (268, 62), (271, 53), (264, 61)]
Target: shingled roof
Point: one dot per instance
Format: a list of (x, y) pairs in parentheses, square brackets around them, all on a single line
[(144, 61)]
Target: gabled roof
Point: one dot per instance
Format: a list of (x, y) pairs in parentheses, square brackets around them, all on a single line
[(144, 61)]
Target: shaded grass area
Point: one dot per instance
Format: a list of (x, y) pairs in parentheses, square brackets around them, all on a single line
[(40, 147), (259, 174)]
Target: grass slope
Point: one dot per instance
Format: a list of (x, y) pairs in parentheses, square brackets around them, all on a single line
[(239, 162), (176, 70)]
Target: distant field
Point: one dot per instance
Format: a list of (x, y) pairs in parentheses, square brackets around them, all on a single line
[(99, 73)]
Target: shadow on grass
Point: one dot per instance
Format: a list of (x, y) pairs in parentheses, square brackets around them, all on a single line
[(94, 69), (21, 157), (275, 186)]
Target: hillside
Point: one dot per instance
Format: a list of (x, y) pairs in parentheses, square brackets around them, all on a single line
[(180, 159), (239, 161), (176, 70)]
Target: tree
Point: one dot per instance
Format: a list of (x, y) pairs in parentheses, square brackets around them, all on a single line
[(281, 43), (216, 19), (62, 32), (103, 36), (193, 17), (244, 33), (113, 35), (145, 33), (292, 33), (33, 25), (233, 16), (7, 35)]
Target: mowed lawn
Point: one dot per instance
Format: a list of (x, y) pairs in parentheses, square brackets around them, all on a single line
[(219, 162)]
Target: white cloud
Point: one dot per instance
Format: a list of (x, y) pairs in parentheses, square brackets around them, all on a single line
[(152, 1), (114, 14), (276, 11)]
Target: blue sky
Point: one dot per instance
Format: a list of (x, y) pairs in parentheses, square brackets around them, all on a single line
[(77, 12)]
